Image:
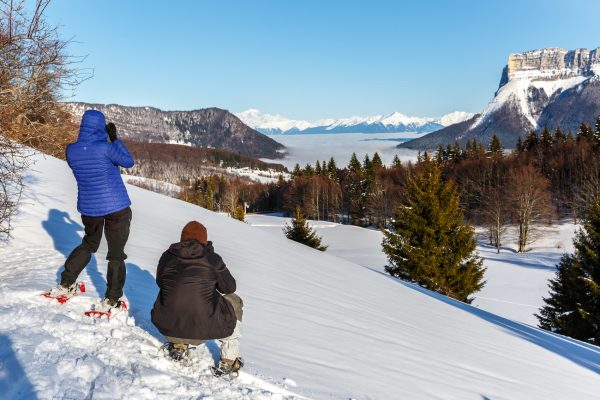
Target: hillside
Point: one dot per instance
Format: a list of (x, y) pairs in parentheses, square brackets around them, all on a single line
[(208, 127), (547, 87), (321, 326)]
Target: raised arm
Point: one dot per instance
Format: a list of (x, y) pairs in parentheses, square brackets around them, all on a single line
[(119, 155)]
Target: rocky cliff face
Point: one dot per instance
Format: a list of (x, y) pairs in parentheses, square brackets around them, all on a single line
[(209, 128), (547, 87)]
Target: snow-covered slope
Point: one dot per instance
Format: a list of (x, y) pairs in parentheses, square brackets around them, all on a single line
[(516, 283), (395, 122), (325, 327)]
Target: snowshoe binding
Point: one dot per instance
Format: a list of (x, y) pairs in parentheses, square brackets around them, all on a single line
[(177, 351), (228, 369), (62, 294), (106, 308)]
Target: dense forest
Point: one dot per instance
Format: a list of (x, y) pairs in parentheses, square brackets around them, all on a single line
[(551, 175)]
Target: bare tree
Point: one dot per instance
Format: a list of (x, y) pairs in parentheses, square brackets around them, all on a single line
[(34, 71), (494, 215), (529, 197)]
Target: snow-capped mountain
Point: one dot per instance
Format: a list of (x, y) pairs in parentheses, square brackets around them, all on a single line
[(547, 87), (395, 122)]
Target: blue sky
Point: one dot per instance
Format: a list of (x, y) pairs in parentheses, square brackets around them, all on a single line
[(312, 59)]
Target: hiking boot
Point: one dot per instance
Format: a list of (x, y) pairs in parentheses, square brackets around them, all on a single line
[(108, 304), (61, 290), (177, 351), (228, 367)]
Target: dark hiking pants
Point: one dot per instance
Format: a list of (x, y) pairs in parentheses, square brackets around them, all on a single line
[(116, 230)]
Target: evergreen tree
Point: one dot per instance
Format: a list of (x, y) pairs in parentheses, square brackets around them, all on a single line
[(546, 138), (532, 141), (596, 133), (308, 170), (332, 169), (520, 146), (367, 165), (297, 171), (396, 161), (318, 170), (559, 135), (301, 232), (495, 148), (429, 243), (584, 132), (354, 165), (239, 212), (573, 307), (376, 162), (439, 154)]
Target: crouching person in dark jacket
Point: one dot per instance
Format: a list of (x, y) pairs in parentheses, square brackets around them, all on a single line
[(196, 301)]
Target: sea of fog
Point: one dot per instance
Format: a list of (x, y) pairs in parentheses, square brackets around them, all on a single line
[(308, 148)]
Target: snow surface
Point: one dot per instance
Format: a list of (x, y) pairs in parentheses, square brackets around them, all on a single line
[(320, 325), (278, 124), (515, 283)]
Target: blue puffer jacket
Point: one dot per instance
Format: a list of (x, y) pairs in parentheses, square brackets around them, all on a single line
[(95, 163)]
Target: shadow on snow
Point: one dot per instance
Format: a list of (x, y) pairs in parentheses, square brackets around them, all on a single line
[(581, 353), (13, 380)]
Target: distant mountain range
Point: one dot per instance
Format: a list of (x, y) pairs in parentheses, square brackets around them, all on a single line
[(547, 87), (396, 122), (207, 128)]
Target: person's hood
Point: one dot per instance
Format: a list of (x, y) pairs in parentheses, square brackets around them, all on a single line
[(191, 249), (93, 127)]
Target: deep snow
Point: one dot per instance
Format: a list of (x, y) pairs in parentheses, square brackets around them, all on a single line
[(515, 283), (323, 326)]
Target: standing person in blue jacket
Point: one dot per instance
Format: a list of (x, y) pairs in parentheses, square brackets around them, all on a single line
[(103, 203)]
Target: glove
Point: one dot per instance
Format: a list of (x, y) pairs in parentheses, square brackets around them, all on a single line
[(111, 129)]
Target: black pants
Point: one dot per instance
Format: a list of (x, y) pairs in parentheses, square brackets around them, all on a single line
[(116, 230)]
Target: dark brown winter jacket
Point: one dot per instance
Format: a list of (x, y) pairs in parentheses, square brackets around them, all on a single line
[(191, 278)]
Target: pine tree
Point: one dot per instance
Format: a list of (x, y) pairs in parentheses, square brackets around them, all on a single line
[(297, 171), (573, 307), (520, 147), (367, 165), (429, 243), (584, 132), (532, 141), (439, 154), (301, 232), (354, 165), (332, 169), (318, 170), (396, 161), (239, 213), (376, 162), (495, 148), (559, 135), (596, 134), (308, 170), (546, 138)]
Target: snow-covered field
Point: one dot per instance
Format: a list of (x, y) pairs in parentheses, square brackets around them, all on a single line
[(315, 324), (303, 149), (516, 283)]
